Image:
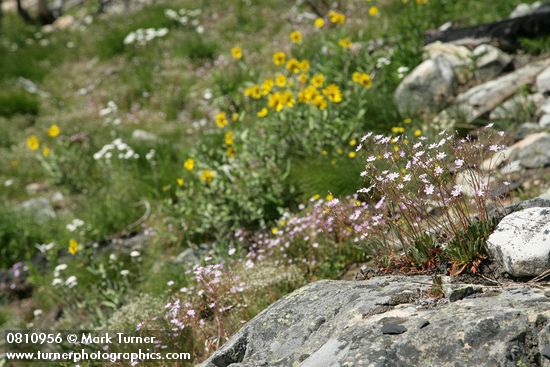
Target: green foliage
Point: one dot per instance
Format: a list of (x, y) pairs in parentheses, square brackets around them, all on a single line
[(468, 246), (14, 102)]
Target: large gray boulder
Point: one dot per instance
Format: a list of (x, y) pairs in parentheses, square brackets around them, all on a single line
[(391, 321), (427, 88), (521, 242)]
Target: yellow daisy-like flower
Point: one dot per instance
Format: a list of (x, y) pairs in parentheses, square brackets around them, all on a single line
[(315, 197), (303, 78), (296, 37), (228, 138), (207, 176), (53, 131), (320, 102), (352, 155), (267, 86), (353, 142), (230, 152), (304, 66), (180, 181), (417, 132), (363, 79), (254, 92), (319, 23), (221, 120), (345, 43), (336, 17), (329, 197), (274, 230), (280, 80), (33, 143), (373, 11), (398, 129), (46, 152), (333, 93), (237, 52), (234, 116), (189, 164), (293, 65), (318, 80), (407, 120), (262, 113), (279, 58), (73, 247)]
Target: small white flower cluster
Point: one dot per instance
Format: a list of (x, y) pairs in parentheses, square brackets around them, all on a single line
[(186, 18), (70, 282), (402, 71), (142, 36), (75, 224), (118, 149), (109, 114)]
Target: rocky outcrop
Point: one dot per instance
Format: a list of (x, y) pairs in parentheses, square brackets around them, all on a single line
[(427, 88), (521, 242), (485, 97), (391, 321), (543, 81)]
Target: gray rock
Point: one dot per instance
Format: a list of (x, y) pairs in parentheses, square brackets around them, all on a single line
[(524, 9), (490, 61), (521, 242), (543, 81), (517, 106), (485, 97), (393, 329), (427, 88), (40, 208), (544, 108), (532, 152), (503, 328), (544, 121)]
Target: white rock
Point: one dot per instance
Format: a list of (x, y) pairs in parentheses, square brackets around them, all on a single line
[(544, 108), (455, 54), (427, 88), (485, 97), (521, 10), (543, 81), (545, 121), (533, 151), (40, 208), (521, 242)]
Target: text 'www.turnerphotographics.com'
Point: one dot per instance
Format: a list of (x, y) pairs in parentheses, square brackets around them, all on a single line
[(100, 346)]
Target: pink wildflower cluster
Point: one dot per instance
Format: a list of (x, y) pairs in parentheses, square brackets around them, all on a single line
[(422, 187)]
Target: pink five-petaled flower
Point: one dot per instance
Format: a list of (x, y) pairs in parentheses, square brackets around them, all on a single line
[(457, 190), (429, 190), (459, 163)]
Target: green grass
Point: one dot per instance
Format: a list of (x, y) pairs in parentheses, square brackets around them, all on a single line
[(14, 102)]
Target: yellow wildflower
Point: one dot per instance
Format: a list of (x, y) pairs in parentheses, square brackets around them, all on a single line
[(320, 102), (340, 151), (230, 152), (267, 86), (318, 80), (180, 181), (304, 66), (73, 247), (319, 23), (363, 79), (421, 2), (329, 197), (46, 152), (353, 142), (345, 43), (228, 138), (53, 131), (293, 65), (417, 132), (189, 164), (234, 116), (315, 197), (274, 230), (408, 120), (357, 203), (336, 17), (33, 143), (207, 176), (373, 11), (237, 52), (263, 112), (279, 58), (254, 91), (221, 120), (398, 129), (296, 36), (280, 80), (333, 93), (303, 78), (352, 155)]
